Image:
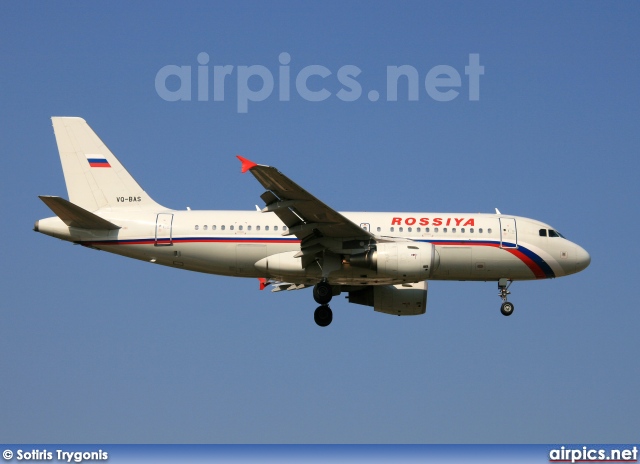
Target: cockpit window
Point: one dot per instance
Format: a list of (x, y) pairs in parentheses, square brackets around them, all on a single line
[(555, 233), (543, 232)]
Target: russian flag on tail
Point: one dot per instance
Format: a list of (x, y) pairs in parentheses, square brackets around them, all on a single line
[(98, 161)]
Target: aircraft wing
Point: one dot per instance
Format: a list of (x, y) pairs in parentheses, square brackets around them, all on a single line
[(305, 216)]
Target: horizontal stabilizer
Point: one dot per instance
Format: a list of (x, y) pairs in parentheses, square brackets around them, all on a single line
[(75, 216)]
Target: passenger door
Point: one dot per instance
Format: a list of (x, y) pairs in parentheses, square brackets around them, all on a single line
[(164, 222), (508, 233)]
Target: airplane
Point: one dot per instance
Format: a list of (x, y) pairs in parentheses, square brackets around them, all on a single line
[(382, 260)]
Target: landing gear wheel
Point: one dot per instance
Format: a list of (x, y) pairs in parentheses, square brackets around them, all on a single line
[(506, 309), (323, 315), (322, 293), (503, 286)]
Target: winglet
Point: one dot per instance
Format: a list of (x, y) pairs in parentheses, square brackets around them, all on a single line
[(263, 283), (246, 164)]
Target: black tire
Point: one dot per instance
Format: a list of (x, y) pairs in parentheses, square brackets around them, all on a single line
[(322, 293), (507, 308), (323, 315)]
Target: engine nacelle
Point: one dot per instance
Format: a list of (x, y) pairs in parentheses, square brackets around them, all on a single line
[(407, 261), (401, 261), (399, 300), (281, 263)]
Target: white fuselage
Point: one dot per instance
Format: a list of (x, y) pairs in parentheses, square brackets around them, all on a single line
[(382, 260), (469, 246)]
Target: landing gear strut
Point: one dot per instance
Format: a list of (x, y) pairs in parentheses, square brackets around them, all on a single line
[(322, 293), (503, 286)]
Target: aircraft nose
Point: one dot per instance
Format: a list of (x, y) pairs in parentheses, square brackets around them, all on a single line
[(582, 258)]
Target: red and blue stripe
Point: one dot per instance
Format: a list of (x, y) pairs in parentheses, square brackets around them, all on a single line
[(165, 240), (537, 265), (533, 261)]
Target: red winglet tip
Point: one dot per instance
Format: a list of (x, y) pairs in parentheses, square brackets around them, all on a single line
[(246, 164), (263, 283)]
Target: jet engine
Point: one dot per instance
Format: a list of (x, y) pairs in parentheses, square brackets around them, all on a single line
[(407, 261)]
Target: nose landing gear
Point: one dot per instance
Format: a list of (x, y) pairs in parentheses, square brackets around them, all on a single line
[(503, 286)]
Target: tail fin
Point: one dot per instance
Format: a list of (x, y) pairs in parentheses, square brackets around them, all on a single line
[(95, 178)]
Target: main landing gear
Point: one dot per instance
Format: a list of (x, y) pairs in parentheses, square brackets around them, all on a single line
[(322, 293), (503, 286)]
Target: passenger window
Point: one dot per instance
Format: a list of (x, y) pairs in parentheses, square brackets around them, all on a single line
[(239, 227), (426, 229), (257, 227), (453, 231), (197, 227), (231, 227), (553, 233), (471, 230), (462, 230), (275, 227), (408, 229), (378, 229), (480, 230), (222, 227), (543, 232), (248, 227), (444, 229), (400, 229), (266, 227), (204, 228), (392, 229), (488, 231), (213, 227), (418, 229), (435, 229), (284, 227)]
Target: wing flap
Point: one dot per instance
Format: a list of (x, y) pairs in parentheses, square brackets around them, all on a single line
[(281, 286)]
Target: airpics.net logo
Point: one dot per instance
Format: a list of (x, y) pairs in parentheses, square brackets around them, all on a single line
[(257, 83)]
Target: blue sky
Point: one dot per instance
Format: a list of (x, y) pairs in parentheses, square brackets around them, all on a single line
[(97, 348)]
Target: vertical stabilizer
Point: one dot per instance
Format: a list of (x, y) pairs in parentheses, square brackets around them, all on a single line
[(95, 178)]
